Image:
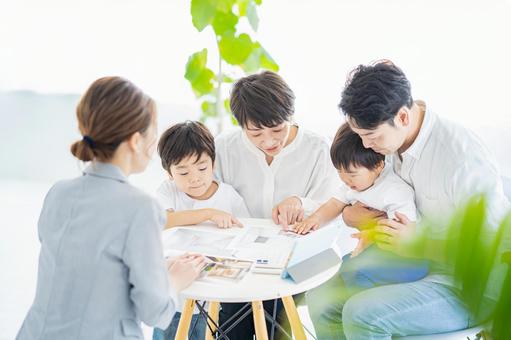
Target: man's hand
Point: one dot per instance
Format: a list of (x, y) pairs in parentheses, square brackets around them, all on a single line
[(223, 219), (184, 269), (288, 212), (397, 235), (309, 224), (361, 216), (365, 239)]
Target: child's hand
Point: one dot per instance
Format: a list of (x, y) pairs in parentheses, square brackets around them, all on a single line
[(306, 226), (223, 219), (365, 239)]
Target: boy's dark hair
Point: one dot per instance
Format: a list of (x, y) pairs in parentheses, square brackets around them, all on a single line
[(262, 99), (348, 150), (374, 94), (184, 140)]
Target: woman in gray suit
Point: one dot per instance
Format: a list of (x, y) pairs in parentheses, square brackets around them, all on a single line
[(101, 266)]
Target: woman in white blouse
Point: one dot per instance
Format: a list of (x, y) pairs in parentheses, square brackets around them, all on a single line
[(281, 171), (101, 266)]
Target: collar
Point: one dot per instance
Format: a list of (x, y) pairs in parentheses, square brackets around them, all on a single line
[(105, 170), (415, 150)]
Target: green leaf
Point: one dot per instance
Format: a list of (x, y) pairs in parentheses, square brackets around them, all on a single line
[(259, 59), (209, 108), (203, 84), (227, 105), (267, 61), (252, 17), (242, 7), (196, 62), (253, 62), (198, 74), (224, 5), (226, 79), (203, 13), (224, 22), (258, 2), (235, 50)]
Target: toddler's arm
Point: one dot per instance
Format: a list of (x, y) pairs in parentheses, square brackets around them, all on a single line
[(325, 213)]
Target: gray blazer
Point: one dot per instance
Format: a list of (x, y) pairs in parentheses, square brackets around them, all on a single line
[(101, 266)]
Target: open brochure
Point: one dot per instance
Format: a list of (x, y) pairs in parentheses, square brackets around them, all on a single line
[(225, 269), (268, 248)]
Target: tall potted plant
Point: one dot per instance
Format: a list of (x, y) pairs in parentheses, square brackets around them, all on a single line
[(237, 51)]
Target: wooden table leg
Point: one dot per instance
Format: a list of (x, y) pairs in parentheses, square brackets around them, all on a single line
[(213, 310), (259, 320), (184, 321), (294, 318)]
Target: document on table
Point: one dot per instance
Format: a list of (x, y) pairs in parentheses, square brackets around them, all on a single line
[(198, 241), (267, 247)]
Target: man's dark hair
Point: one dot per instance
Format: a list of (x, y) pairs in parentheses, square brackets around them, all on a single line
[(262, 99), (374, 94), (184, 140), (348, 150)]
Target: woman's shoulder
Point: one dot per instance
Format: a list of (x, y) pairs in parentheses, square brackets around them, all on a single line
[(314, 140)]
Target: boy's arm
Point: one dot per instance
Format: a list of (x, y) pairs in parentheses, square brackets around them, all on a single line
[(325, 213), (187, 217), (191, 217)]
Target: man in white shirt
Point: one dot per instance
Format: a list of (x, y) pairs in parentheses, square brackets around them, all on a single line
[(446, 165)]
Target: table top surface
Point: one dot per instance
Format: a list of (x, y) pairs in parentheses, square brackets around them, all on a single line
[(254, 286)]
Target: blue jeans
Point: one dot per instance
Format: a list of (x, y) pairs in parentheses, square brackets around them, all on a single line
[(376, 267), (197, 329), (413, 308)]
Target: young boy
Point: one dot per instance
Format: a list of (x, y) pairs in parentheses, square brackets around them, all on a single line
[(370, 181), (191, 196)]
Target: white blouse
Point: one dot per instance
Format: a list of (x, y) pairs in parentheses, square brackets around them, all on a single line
[(303, 169)]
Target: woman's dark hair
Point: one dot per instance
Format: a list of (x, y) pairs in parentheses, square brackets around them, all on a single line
[(110, 111), (374, 94), (262, 99), (184, 140), (348, 150)]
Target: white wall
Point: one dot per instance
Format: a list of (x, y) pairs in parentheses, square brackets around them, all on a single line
[(456, 53)]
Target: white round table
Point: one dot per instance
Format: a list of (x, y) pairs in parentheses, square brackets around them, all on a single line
[(253, 288)]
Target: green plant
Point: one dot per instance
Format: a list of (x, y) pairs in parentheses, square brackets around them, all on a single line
[(480, 259), (235, 48)]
